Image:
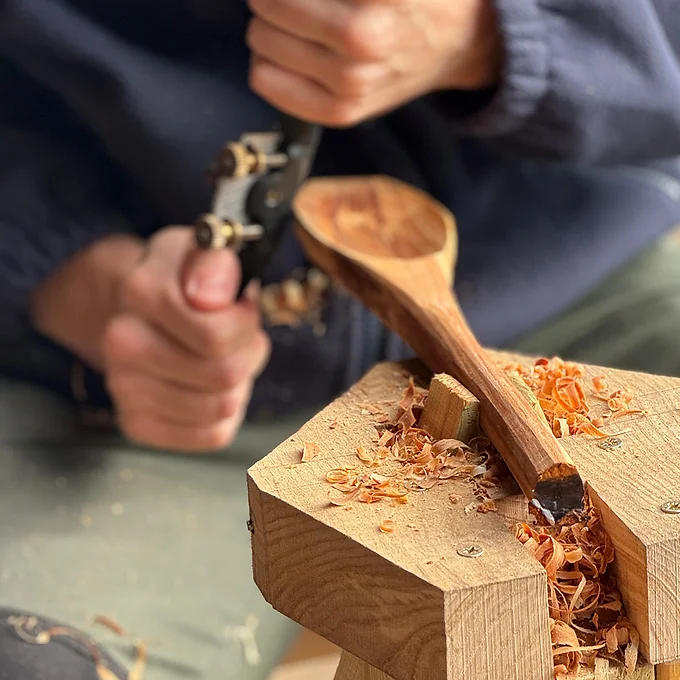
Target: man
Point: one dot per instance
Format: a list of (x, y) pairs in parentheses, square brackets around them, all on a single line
[(551, 130), (554, 147)]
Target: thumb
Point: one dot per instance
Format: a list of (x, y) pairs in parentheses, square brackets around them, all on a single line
[(212, 279)]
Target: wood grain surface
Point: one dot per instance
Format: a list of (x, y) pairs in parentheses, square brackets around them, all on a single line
[(668, 672), (353, 668)]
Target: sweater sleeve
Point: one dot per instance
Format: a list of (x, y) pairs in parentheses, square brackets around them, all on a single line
[(54, 201), (594, 81)]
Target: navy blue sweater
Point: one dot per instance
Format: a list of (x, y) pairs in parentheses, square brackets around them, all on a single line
[(110, 112)]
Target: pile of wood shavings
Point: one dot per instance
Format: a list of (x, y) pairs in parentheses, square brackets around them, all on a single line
[(558, 387), (295, 301), (587, 618), (405, 459)]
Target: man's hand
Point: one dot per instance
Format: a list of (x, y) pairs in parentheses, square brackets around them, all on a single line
[(181, 354), (160, 321), (338, 62)]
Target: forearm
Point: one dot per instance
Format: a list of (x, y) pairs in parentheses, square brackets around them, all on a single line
[(590, 82), (73, 305)]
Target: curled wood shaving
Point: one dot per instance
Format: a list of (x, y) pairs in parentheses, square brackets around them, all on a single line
[(111, 624), (296, 301), (310, 451), (139, 667), (586, 612), (559, 389), (387, 526)]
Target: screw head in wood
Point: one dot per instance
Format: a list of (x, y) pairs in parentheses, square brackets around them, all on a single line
[(611, 443), (471, 551), (671, 507)]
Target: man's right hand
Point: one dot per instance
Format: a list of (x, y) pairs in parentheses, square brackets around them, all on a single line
[(179, 353)]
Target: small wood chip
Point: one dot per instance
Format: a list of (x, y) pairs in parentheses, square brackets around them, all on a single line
[(111, 624), (487, 506), (310, 451), (387, 526), (364, 455)]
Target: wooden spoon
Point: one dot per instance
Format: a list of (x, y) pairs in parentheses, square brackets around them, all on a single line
[(395, 248)]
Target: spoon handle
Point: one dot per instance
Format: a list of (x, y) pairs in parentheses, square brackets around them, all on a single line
[(535, 457)]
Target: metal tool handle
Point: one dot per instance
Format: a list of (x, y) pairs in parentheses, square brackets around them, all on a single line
[(257, 181)]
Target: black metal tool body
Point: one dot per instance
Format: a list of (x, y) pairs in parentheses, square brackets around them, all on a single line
[(255, 181)]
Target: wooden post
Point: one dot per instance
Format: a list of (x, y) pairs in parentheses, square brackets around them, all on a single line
[(451, 411)]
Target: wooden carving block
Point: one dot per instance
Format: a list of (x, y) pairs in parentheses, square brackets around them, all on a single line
[(352, 668), (451, 411), (407, 603)]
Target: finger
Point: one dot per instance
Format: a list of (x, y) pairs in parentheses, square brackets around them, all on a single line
[(130, 343), (151, 294), (136, 393), (299, 96), (211, 278), (302, 97), (338, 74), (363, 32), (155, 290), (160, 434)]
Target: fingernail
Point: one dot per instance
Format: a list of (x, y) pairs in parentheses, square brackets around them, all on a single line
[(212, 288)]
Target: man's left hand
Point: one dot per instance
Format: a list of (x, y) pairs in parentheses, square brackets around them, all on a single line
[(338, 62)]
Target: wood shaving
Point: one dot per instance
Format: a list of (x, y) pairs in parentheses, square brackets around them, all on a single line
[(587, 617), (387, 526), (296, 301), (560, 391), (139, 667), (111, 624), (487, 506), (310, 451), (372, 409), (405, 459)]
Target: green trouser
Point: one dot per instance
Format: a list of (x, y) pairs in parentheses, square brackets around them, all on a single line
[(631, 321), (160, 542)]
